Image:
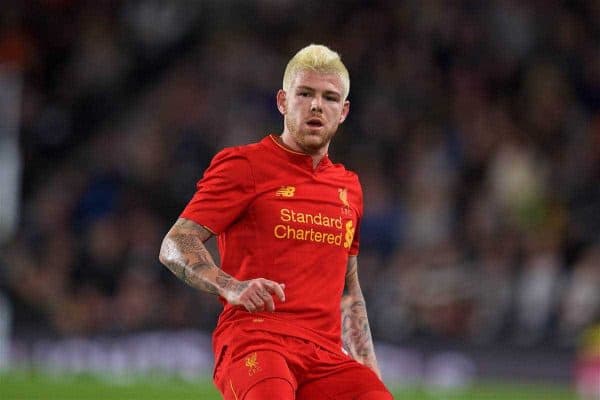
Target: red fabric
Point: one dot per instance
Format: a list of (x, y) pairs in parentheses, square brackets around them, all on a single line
[(245, 375), (277, 218), (269, 388), (313, 373)]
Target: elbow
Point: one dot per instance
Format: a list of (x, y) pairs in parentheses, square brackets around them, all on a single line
[(346, 301), (163, 255), (352, 298)]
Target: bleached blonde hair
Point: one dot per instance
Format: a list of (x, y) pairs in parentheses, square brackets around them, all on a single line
[(319, 58)]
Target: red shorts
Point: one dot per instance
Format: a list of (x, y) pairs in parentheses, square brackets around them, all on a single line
[(313, 372)]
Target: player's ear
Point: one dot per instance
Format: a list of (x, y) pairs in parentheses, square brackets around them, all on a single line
[(345, 111), (281, 101)]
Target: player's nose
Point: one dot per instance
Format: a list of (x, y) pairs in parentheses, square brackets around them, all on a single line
[(316, 104)]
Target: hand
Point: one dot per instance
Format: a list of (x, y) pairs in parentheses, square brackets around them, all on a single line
[(255, 294)]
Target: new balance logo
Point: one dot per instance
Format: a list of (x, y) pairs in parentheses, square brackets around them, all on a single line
[(285, 191)]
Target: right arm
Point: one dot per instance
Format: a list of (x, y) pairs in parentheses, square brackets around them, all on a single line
[(184, 254)]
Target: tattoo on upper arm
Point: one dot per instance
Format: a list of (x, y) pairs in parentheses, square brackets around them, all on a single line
[(190, 226), (351, 280), (352, 265)]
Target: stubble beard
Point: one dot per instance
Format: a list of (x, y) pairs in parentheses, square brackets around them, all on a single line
[(306, 141)]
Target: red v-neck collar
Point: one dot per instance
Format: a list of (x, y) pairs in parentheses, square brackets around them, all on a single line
[(294, 156)]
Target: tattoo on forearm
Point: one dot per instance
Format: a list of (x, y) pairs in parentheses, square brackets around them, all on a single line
[(226, 281), (184, 253), (192, 275), (223, 280), (356, 333)]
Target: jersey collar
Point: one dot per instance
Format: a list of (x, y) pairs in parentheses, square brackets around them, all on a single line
[(294, 156)]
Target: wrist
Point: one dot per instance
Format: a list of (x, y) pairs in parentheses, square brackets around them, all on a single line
[(228, 288)]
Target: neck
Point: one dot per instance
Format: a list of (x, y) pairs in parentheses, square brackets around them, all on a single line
[(316, 160), (287, 140)]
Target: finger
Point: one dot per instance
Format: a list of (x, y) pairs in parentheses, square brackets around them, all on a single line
[(268, 300), (276, 288), (257, 301)]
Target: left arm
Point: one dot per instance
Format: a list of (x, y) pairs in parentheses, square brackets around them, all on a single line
[(356, 333)]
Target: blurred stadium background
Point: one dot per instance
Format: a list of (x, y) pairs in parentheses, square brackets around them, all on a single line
[(475, 128)]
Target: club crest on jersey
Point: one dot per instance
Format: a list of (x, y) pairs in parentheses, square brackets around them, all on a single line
[(252, 364), (286, 191), (344, 196)]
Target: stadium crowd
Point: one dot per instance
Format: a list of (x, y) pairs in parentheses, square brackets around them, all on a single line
[(474, 126)]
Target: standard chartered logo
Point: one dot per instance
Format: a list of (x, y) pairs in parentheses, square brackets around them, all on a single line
[(314, 228)]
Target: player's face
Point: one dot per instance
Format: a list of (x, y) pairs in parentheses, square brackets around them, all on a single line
[(313, 108)]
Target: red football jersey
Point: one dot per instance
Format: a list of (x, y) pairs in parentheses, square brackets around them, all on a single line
[(278, 218)]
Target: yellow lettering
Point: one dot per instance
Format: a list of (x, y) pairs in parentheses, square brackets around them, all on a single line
[(288, 215), (318, 236), (306, 218), (307, 234), (278, 231), (318, 219), (288, 232), (291, 232), (338, 222), (310, 230)]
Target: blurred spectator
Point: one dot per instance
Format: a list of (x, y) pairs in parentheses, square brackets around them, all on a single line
[(474, 126), (580, 306), (538, 287), (494, 287), (430, 186)]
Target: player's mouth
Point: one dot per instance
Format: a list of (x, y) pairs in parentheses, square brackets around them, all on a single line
[(315, 123)]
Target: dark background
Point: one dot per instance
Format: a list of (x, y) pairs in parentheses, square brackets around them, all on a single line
[(474, 126)]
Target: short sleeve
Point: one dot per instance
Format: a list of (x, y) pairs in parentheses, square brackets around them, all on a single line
[(359, 213), (223, 193)]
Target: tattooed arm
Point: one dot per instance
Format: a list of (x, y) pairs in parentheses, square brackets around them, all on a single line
[(183, 252), (356, 333)]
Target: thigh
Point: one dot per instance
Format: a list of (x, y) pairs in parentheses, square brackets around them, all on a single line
[(243, 373), (271, 388), (350, 383)]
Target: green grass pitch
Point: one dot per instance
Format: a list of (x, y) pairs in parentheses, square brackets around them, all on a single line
[(31, 386)]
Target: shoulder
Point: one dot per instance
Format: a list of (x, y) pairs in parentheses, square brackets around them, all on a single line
[(341, 171), (233, 154), (247, 151)]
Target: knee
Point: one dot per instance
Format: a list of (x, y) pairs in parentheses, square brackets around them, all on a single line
[(376, 395), (272, 388)]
